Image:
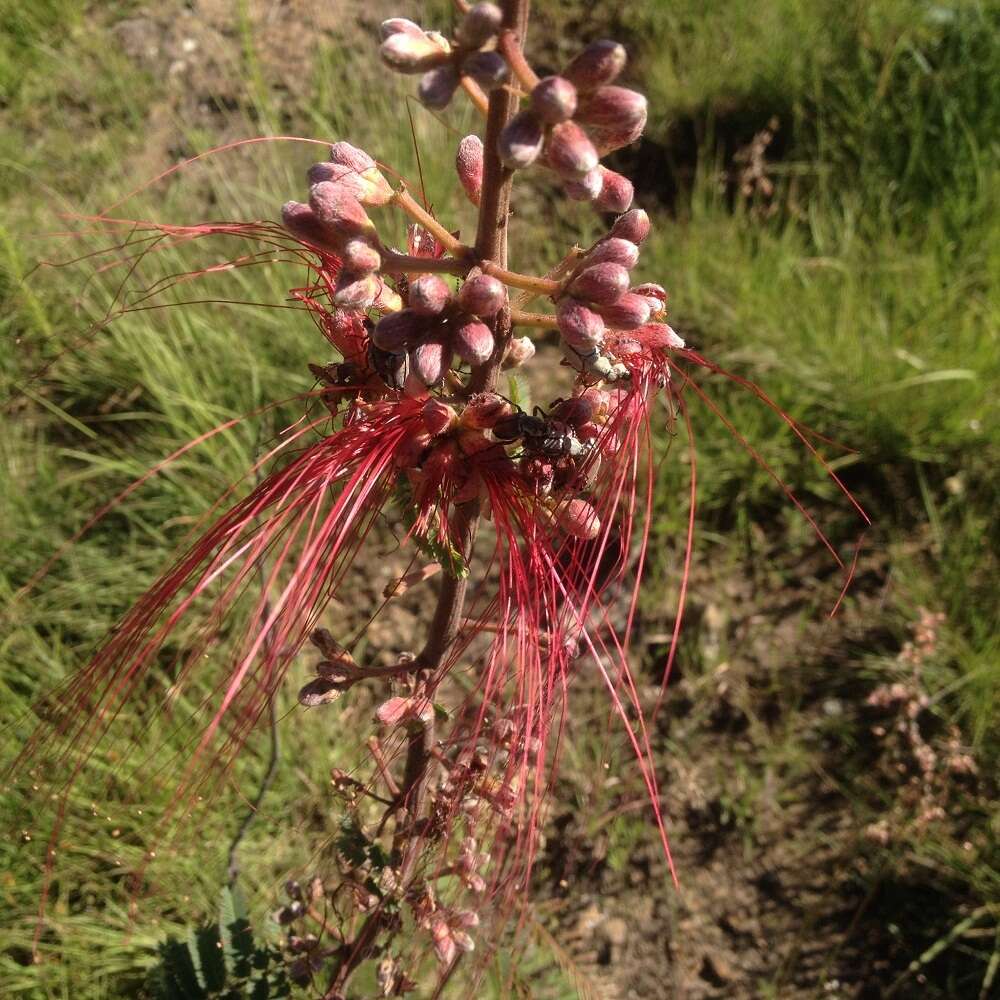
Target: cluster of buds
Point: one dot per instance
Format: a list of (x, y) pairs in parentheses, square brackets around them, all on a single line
[(574, 119), (470, 53)]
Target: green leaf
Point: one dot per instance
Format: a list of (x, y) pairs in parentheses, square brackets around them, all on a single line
[(236, 933)]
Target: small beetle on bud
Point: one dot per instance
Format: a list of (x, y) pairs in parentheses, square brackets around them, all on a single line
[(616, 251), (581, 327), (520, 142), (616, 192), (398, 331), (473, 341), (469, 166), (601, 283), (633, 226), (478, 25), (482, 295), (570, 153), (437, 87), (599, 63), (408, 52), (428, 295), (554, 99)]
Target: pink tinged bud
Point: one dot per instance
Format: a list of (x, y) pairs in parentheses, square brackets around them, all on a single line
[(576, 411), (614, 250), (444, 944), (616, 194), (601, 283), (397, 710), (482, 295), (554, 100), (570, 153), (360, 257), (387, 300), (519, 351), (340, 210), (399, 331), (656, 296), (659, 335), (469, 165), (599, 63), (479, 24), (484, 410), (437, 87), (431, 359), (587, 188), (520, 143), (428, 295), (473, 341), (614, 117), (633, 226), (488, 69), (355, 169), (407, 52), (438, 417), (628, 313), (399, 25), (579, 519), (356, 291), (301, 222), (581, 328)]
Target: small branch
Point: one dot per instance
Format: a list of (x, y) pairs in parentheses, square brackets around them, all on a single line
[(558, 273), (510, 49), (528, 282), (401, 263), (541, 321), (402, 199), (476, 94)]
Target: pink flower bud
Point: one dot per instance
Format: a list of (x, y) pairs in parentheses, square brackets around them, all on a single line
[(628, 313), (614, 117), (482, 295), (554, 100), (437, 87), (399, 25), (473, 341), (377, 190), (599, 63), (340, 210), (576, 411), (587, 188), (356, 291), (600, 283), (431, 358), (661, 336), (428, 295), (478, 25), (407, 52), (656, 296), (488, 69), (444, 943), (469, 165), (398, 331), (387, 300), (484, 410), (360, 257), (616, 194), (301, 222), (616, 251), (397, 710), (581, 328), (633, 226), (570, 153), (520, 142), (519, 351), (579, 519), (438, 417)]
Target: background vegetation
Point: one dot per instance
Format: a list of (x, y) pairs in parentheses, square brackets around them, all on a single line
[(852, 274)]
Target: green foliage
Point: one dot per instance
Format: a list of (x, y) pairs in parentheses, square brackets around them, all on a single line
[(221, 961)]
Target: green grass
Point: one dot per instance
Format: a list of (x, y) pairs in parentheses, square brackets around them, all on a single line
[(866, 305)]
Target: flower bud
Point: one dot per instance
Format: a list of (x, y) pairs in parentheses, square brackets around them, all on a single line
[(340, 210), (431, 358), (614, 117), (661, 336), (578, 518), (397, 710), (407, 52), (484, 410), (587, 188), (519, 351), (616, 251), (399, 25), (473, 341), (656, 296), (482, 295), (355, 291), (360, 257), (570, 153), (438, 417), (554, 99), (301, 222), (616, 194), (520, 142), (581, 328), (628, 313), (398, 331), (376, 189), (387, 300), (428, 295), (576, 411), (599, 63), (469, 166), (478, 25), (437, 87), (488, 69), (633, 226), (600, 283)]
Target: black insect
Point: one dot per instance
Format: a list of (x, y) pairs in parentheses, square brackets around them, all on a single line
[(391, 368), (541, 434)]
